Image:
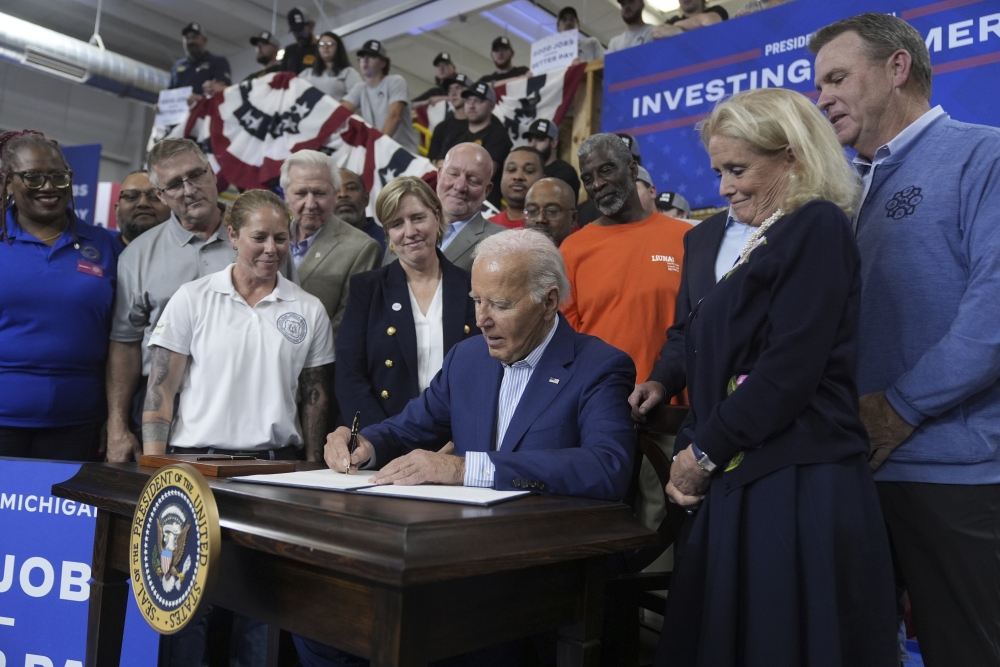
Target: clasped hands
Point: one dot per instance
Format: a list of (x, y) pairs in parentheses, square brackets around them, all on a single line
[(886, 429), (418, 467), (688, 482)]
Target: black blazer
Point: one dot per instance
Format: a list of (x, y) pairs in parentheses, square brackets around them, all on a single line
[(376, 372), (701, 248)]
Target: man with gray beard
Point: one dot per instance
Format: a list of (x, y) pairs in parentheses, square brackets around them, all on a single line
[(352, 204), (625, 274)]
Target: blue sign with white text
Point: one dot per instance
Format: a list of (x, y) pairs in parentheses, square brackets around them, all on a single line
[(658, 92), (46, 549), (85, 161)]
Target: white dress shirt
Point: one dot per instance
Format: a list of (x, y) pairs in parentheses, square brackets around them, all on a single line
[(430, 336)]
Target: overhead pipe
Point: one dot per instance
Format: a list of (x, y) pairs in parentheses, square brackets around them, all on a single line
[(42, 49)]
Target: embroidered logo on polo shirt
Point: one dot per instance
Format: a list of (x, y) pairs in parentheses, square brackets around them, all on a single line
[(90, 252), (293, 327), (903, 203)]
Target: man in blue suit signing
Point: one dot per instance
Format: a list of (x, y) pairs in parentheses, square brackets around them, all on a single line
[(532, 404)]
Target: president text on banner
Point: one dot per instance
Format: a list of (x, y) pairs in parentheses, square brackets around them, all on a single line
[(658, 92)]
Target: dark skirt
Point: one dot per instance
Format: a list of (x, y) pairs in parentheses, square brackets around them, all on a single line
[(790, 570)]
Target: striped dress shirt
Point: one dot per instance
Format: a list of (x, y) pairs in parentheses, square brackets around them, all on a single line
[(479, 469)]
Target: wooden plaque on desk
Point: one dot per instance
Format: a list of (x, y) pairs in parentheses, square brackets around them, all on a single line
[(218, 468)]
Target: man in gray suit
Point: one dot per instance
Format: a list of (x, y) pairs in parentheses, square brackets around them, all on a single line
[(326, 250), (464, 182)]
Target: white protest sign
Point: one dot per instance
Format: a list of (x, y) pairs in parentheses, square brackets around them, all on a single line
[(556, 51), (172, 106)]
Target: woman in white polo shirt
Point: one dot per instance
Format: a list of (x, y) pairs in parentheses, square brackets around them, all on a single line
[(243, 346)]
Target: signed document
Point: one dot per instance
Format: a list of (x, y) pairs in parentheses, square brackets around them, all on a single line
[(466, 495)]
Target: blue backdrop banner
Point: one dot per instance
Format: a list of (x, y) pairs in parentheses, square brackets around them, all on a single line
[(85, 161), (46, 547), (658, 92)]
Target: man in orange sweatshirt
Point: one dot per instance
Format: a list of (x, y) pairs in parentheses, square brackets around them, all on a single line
[(624, 271)]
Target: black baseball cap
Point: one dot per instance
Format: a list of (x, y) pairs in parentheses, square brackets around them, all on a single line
[(372, 47), (442, 57), (543, 128), (481, 90), (192, 27), (297, 20), (460, 79), (501, 43), (668, 200), (266, 37), (633, 145), (567, 12)]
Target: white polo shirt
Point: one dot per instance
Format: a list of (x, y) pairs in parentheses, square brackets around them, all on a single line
[(240, 388)]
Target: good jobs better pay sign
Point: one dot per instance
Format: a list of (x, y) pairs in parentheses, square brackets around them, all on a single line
[(658, 92)]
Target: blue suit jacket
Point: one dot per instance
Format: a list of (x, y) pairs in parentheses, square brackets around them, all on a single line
[(364, 344), (571, 433)]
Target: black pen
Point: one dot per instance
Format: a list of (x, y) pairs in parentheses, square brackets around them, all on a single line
[(352, 444)]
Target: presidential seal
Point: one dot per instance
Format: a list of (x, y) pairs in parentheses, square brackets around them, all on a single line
[(175, 544), (293, 327)]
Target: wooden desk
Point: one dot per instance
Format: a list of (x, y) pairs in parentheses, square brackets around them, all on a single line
[(401, 582)]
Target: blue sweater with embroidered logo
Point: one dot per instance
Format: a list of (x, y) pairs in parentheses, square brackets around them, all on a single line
[(929, 237)]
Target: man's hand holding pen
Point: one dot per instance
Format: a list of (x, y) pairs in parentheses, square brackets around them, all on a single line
[(337, 451)]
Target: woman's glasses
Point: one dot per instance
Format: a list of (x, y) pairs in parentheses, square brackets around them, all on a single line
[(35, 180)]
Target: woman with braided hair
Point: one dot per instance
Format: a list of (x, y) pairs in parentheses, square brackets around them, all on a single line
[(58, 276)]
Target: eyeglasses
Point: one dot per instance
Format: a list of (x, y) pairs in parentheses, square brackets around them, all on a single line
[(326, 43), (550, 212), (132, 196), (175, 187), (35, 180)]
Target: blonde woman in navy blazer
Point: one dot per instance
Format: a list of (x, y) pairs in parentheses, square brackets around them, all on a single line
[(378, 355)]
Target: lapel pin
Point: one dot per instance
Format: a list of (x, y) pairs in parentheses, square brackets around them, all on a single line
[(318, 255), (554, 380), (397, 306)]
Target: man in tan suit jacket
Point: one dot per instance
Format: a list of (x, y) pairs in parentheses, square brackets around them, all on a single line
[(326, 250)]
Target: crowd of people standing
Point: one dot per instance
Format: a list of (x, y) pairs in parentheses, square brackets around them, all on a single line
[(840, 444)]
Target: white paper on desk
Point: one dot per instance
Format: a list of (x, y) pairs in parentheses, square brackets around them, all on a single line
[(466, 495), (172, 106), (328, 480)]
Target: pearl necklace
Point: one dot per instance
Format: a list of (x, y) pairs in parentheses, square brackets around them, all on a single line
[(756, 235)]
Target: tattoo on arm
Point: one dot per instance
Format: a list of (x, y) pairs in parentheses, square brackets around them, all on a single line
[(158, 432), (158, 371), (313, 407)]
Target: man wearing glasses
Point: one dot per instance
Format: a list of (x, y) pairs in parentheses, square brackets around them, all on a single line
[(138, 208), (550, 208), (192, 243)]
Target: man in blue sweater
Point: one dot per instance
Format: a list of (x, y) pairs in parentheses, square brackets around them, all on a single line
[(928, 228)]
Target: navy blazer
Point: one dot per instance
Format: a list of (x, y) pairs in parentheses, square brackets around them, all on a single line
[(571, 433), (370, 360), (701, 248)]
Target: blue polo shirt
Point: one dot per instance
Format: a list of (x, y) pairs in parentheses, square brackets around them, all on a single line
[(186, 72), (55, 317)]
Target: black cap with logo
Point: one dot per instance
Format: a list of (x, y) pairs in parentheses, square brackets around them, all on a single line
[(442, 58), (265, 37), (668, 200), (501, 43), (372, 47), (483, 91), (297, 20), (543, 129), (460, 79), (192, 27)]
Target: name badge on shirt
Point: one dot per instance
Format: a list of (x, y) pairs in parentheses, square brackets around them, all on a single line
[(83, 266)]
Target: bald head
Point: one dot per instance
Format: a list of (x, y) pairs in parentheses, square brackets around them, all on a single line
[(464, 181), (550, 208)]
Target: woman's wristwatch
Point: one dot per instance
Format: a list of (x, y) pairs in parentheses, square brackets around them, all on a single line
[(702, 459)]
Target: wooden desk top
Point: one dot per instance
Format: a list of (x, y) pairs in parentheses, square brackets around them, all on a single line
[(393, 541)]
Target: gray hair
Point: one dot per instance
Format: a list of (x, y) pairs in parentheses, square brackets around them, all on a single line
[(882, 35), (307, 157), (612, 143), (545, 263), (168, 148)]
